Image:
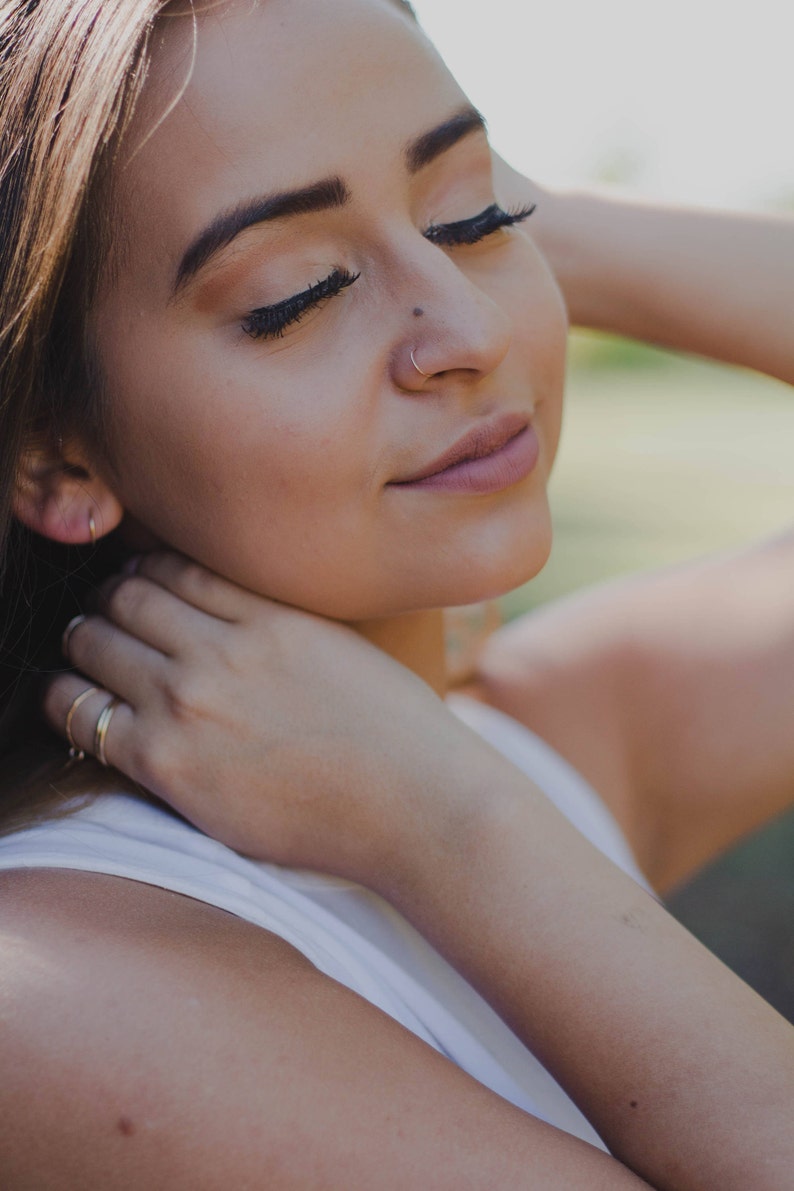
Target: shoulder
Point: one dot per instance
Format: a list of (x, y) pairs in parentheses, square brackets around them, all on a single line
[(642, 628), (634, 683), (172, 1044), (117, 999), (559, 670)]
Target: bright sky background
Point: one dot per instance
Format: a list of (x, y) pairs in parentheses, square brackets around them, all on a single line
[(687, 100)]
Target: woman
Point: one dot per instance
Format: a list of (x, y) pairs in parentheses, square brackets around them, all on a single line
[(275, 318)]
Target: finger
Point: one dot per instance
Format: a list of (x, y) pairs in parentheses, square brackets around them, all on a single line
[(153, 615), (115, 659), (68, 689), (67, 700), (196, 585), (74, 709)]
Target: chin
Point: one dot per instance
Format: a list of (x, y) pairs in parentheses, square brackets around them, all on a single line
[(518, 570), (509, 559), (476, 564), (491, 567)]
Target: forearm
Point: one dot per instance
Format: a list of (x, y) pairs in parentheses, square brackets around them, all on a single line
[(688, 1076), (718, 284)]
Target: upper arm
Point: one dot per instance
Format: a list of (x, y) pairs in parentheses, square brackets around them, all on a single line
[(559, 670), (709, 701), (153, 1041), (673, 694)]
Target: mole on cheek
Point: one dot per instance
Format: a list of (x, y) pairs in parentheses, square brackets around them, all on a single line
[(125, 1126), (418, 311)]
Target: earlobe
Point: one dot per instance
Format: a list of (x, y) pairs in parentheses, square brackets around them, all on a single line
[(63, 499)]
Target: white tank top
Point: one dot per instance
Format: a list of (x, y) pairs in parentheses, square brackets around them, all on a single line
[(346, 931)]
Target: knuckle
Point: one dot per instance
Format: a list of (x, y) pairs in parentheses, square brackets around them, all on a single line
[(185, 578), (187, 697), (227, 655), (125, 599), (195, 580), (159, 565)]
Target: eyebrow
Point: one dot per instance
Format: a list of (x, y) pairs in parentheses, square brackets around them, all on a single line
[(431, 145), (320, 196), (326, 195)]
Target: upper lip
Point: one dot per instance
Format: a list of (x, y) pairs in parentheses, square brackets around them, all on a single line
[(483, 439)]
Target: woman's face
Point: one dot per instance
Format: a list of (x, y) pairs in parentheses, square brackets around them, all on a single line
[(274, 453)]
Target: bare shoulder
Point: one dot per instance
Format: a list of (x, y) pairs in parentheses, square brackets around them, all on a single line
[(559, 670), (112, 1027), (150, 1040), (635, 682)]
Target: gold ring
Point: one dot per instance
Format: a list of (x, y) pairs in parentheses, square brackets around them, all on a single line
[(76, 753), (102, 725), (67, 633)]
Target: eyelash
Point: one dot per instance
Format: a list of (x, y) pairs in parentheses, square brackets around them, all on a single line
[(471, 231), (270, 322)]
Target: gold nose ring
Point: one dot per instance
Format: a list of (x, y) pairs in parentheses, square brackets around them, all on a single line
[(426, 375)]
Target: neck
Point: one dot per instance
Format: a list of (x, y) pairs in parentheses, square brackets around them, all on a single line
[(416, 640)]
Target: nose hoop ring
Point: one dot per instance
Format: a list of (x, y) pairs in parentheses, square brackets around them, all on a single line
[(426, 375)]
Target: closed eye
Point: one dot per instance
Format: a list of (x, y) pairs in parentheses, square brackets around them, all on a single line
[(471, 231), (270, 322)]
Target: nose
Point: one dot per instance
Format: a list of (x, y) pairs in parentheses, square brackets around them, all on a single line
[(452, 327)]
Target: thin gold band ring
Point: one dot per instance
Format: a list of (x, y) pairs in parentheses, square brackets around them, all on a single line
[(75, 752), (102, 725), (67, 633)]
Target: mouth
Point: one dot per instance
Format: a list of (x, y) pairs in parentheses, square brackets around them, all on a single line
[(489, 458)]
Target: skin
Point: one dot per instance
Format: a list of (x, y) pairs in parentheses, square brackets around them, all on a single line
[(579, 985), (650, 671), (277, 456)]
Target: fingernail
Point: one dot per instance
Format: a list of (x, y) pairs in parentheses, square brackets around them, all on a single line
[(131, 565)]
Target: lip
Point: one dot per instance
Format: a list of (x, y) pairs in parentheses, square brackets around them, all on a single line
[(490, 457)]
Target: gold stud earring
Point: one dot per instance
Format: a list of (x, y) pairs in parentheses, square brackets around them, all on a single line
[(92, 529)]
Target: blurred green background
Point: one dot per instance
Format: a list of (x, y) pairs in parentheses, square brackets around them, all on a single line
[(666, 458)]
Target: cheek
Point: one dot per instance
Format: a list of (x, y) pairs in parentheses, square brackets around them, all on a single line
[(278, 485), (216, 416), (273, 487), (541, 326), (549, 344)]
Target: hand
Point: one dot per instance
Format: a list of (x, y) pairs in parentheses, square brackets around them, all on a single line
[(275, 731)]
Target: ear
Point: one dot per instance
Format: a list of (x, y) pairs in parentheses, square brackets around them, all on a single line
[(60, 496)]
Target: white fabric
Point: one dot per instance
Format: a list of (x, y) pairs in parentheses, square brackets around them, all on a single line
[(347, 932)]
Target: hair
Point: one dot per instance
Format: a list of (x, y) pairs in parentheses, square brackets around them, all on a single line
[(71, 73)]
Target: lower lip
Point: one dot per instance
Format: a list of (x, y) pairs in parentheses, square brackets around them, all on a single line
[(493, 473)]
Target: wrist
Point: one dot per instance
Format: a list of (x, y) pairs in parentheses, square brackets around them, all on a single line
[(456, 805)]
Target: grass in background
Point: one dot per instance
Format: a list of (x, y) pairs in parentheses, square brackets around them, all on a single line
[(662, 459)]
